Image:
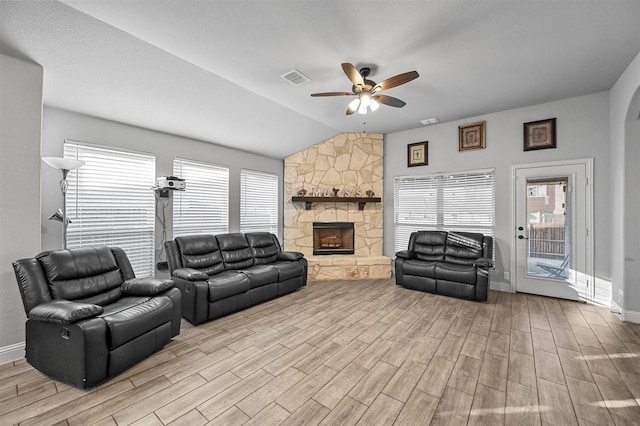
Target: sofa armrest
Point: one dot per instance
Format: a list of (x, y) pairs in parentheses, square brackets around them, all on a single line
[(190, 274), (483, 262), (290, 255), (64, 311), (145, 286), (406, 254)]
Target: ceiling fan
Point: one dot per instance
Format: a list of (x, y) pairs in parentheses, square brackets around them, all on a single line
[(367, 90)]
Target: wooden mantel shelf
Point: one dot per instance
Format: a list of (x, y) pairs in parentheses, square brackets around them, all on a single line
[(360, 200)]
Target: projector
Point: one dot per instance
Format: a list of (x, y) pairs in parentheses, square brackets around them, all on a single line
[(171, 182)]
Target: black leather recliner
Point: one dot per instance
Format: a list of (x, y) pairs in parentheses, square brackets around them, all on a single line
[(89, 318), (220, 274), (448, 263)]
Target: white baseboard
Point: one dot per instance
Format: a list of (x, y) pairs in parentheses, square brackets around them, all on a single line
[(631, 316), (501, 286), (11, 352)]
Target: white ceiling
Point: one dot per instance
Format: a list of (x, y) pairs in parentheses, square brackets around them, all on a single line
[(210, 70)]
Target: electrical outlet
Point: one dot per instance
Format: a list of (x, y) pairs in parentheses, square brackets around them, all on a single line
[(506, 275)]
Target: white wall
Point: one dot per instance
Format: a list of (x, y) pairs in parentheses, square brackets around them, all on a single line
[(582, 128), (20, 117), (59, 125), (625, 229)]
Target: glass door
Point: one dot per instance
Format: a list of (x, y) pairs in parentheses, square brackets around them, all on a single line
[(551, 231)]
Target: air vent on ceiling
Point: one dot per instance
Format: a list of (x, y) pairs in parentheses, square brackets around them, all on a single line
[(295, 77), (430, 121)]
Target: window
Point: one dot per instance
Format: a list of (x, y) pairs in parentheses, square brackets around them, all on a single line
[(258, 201), (461, 201), (204, 207), (110, 202)]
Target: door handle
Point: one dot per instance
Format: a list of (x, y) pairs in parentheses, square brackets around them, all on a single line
[(522, 237)]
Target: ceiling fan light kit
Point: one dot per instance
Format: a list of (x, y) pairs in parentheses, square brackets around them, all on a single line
[(367, 90)]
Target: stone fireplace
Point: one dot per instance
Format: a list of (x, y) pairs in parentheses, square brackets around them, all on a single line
[(333, 238), (338, 174)]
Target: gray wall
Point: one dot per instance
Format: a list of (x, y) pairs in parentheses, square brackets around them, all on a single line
[(59, 125), (582, 132), (625, 227), (20, 117)]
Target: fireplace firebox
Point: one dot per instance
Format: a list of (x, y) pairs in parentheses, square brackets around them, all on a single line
[(333, 238)]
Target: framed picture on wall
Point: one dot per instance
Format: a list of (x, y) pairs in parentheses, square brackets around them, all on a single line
[(471, 136), (540, 134), (417, 154)]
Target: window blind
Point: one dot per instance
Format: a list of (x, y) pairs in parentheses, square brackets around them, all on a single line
[(204, 207), (258, 201), (460, 201), (110, 202)]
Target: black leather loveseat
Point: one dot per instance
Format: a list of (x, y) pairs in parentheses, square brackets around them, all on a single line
[(89, 318), (448, 263), (220, 274)]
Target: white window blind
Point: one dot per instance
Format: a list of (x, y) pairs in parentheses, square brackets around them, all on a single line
[(460, 201), (258, 201), (204, 207), (110, 202)]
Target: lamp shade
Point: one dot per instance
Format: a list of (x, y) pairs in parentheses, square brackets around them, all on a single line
[(63, 163)]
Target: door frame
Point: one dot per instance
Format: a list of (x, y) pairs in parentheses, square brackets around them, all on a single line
[(589, 249)]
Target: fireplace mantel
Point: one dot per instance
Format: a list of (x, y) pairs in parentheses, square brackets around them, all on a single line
[(362, 201)]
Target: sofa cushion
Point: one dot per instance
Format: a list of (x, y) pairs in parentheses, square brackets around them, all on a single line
[(236, 252), (80, 273), (428, 245), (263, 247), (419, 268), (456, 272), (288, 270), (131, 317), (463, 247), (103, 299), (226, 284), (200, 252), (260, 275)]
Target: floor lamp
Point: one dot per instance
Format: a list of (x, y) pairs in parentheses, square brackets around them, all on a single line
[(64, 165)]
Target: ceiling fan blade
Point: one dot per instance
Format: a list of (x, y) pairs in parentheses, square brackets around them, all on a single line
[(396, 81), (353, 74), (389, 100), (333, 94)]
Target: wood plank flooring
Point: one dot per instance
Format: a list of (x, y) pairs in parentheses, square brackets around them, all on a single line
[(364, 353)]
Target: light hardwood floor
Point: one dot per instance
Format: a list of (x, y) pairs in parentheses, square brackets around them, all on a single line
[(368, 353)]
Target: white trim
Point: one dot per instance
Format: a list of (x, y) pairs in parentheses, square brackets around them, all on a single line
[(12, 352), (501, 286), (631, 316), (589, 267)]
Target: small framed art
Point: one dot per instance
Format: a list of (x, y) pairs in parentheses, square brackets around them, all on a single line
[(471, 136), (418, 154), (540, 134)]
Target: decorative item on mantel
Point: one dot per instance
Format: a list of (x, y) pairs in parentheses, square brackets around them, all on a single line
[(370, 193), (302, 192), (335, 191)]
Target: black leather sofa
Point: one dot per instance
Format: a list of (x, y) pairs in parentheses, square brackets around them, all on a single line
[(449, 263), (89, 318), (220, 274)]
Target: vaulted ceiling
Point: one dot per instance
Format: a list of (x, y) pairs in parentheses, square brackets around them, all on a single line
[(210, 70)]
